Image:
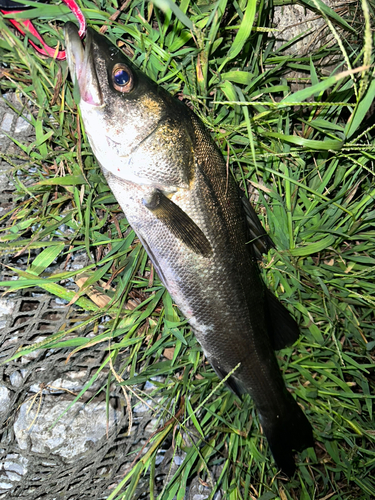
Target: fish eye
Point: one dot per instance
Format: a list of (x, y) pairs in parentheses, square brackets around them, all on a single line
[(122, 78)]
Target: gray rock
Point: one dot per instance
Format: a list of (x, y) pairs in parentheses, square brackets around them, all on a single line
[(4, 400), (71, 435), (198, 491), (22, 125), (12, 469), (6, 123), (11, 123), (15, 466), (16, 379), (6, 308), (73, 381), (294, 20)]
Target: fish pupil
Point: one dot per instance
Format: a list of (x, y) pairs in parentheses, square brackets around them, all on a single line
[(121, 77)]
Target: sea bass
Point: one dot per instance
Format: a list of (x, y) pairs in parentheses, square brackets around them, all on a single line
[(170, 180)]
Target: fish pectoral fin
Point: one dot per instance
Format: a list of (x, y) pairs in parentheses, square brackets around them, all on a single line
[(282, 328), (178, 223)]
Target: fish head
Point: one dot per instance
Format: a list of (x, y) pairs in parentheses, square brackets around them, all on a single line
[(130, 121)]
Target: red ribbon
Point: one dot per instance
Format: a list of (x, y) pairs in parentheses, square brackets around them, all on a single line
[(45, 49)]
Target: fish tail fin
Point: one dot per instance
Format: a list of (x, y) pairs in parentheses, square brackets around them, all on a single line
[(288, 432)]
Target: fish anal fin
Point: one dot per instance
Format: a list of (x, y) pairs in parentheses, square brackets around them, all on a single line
[(282, 328), (231, 382), (179, 223)]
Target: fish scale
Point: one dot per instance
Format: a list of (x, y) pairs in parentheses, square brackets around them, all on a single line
[(171, 181)]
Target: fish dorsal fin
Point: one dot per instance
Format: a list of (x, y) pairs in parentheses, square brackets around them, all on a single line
[(178, 223), (259, 239), (282, 328)]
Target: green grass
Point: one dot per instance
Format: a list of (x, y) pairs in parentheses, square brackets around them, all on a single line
[(311, 155)]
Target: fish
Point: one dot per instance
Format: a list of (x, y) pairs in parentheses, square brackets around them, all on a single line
[(171, 182)]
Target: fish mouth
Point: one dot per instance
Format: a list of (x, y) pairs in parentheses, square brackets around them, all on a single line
[(81, 64)]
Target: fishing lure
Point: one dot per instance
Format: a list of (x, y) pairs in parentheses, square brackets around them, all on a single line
[(25, 26)]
